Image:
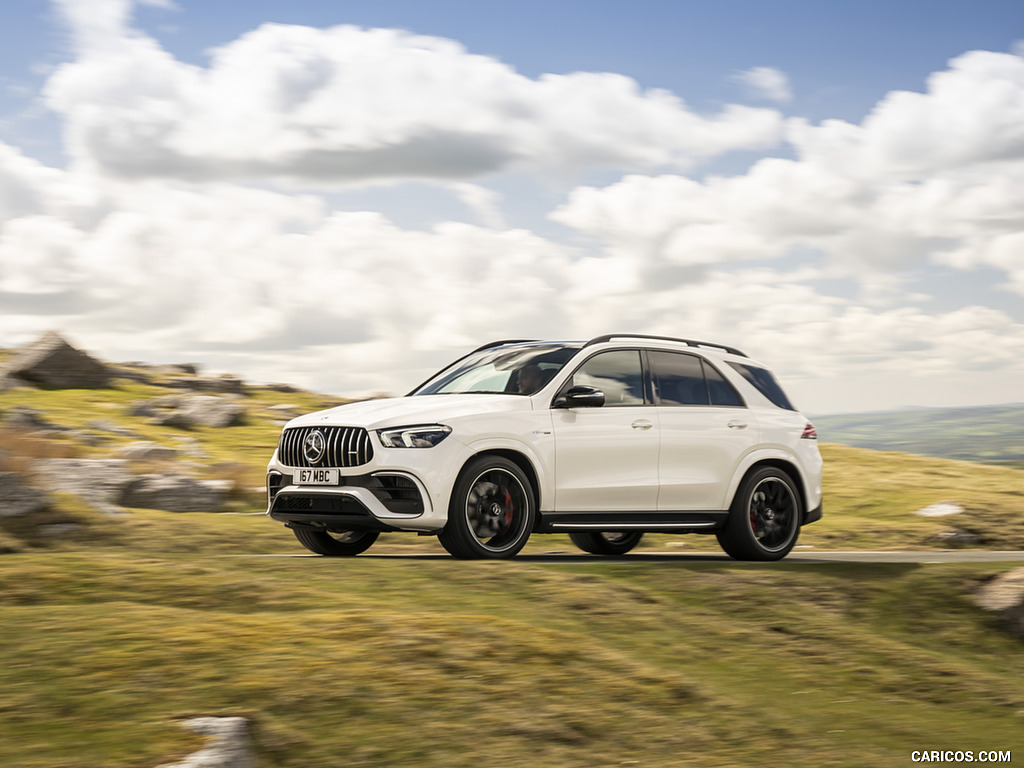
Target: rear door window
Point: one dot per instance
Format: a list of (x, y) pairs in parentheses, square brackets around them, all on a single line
[(678, 378), (683, 379)]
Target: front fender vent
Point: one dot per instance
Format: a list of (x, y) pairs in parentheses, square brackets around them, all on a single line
[(342, 447)]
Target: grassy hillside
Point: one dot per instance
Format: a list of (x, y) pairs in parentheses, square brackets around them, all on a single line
[(117, 628), (991, 434), (436, 662)]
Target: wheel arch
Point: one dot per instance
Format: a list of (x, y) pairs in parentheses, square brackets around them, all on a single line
[(789, 467), (520, 460)]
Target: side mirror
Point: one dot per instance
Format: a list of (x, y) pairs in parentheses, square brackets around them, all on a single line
[(580, 397)]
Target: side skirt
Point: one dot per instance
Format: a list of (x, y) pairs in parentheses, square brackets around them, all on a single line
[(623, 522)]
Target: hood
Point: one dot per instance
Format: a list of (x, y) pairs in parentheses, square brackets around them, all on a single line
[(409, 411)]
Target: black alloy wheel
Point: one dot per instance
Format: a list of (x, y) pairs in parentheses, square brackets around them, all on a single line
[(491, 513), (764, 520)]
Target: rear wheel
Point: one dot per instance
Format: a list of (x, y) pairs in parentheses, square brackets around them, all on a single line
[(605, 542), (764, 520), (336, 543), (491, 513)]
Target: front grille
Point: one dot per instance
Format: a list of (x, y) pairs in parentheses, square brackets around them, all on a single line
[(343, 447)]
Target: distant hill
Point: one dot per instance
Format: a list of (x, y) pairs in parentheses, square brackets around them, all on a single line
[(989, 434)]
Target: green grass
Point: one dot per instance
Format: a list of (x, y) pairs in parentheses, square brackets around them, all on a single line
[(436, 662)]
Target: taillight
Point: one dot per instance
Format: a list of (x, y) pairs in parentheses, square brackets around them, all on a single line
[(810, 433)]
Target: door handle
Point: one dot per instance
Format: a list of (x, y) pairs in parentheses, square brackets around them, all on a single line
[(641, 424), (737, 424)]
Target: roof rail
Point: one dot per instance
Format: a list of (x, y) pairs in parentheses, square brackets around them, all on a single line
[(688, 342), (501, 343)]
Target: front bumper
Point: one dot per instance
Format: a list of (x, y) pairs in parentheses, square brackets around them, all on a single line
[(385, 500), (812, 515)]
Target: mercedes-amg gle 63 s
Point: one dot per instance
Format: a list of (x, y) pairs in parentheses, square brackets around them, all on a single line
[(604, 440)]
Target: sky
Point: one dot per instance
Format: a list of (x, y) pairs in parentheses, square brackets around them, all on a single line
[(347, 196)]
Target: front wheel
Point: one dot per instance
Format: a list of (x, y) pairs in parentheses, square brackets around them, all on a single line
[(491, 513), (336, 544), (764, 520), (606, 543)]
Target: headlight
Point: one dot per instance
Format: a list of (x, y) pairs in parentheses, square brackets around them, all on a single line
[(413, 437)]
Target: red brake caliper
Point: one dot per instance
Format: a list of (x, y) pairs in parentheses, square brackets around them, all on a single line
[(508, 507)]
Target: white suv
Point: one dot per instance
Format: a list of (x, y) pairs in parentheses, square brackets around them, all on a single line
[(605, 440)]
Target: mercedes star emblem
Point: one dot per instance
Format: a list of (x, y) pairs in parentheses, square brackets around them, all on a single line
[(313, 446)]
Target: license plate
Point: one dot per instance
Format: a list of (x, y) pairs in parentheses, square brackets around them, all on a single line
[(317, 477)]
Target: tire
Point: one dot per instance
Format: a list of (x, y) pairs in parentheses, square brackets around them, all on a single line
[(491, 513), (336, 544), (606, 542), (764, 520)]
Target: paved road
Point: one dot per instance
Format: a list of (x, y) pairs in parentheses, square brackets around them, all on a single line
[(802, 556)]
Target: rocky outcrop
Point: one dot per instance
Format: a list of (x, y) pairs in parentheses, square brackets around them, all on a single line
[(52, 363), (18, 499), (228, 746), (190, 411), (100, 482), (1004, 595), (26, 419), (110, 486), (226, 384), (145, 451), (109, 427), (176, 493)]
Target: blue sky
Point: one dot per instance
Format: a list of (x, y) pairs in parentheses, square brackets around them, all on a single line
[(347, 195)]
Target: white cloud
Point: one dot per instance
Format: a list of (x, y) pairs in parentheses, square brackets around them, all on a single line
[(150, 247), (857, 193), (767, 83), (342, 104), (972, 113)]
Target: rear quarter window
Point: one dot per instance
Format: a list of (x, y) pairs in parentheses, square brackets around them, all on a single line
[(764, 382)]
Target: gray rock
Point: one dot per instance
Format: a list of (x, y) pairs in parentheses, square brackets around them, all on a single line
[(30, 420), (145, 451), (285, 389), (18, 499), (190, 411), (941, 509), (1004, 595), (173, 369), (231, 385), (228, 746), (110, 486), (956, 538), (175, 493), (191, 447), (100, 482), (211, 411), (53, 363), (110, 427)]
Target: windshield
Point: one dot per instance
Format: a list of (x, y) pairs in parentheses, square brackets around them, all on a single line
[(519, 369)]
